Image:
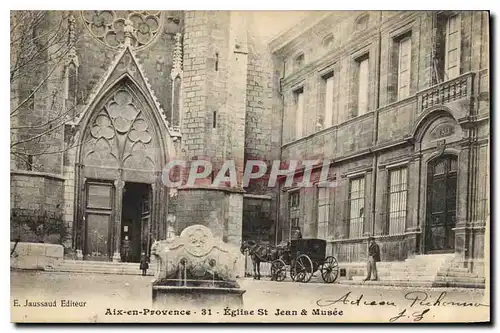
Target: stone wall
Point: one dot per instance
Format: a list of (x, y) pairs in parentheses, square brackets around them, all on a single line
[(220, 211), (36, 200), (37, 131), (36, 256), (34, 193)]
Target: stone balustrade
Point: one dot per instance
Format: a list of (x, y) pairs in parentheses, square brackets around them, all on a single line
[(446, 92)]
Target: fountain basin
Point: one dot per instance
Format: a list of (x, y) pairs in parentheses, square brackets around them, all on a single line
[(196, 270), (196, 297)]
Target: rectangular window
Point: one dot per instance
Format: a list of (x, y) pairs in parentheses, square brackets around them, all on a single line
[(294, 208), (452, 53), (299, 112), (328, 84), (404, 65), (398, 193), (356, 207), (323, 212), (363, 76)]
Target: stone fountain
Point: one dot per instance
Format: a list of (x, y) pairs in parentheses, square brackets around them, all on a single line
[(196, 270)]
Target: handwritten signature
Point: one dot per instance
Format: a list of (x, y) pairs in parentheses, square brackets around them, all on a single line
[(416, 316), (412, 299)]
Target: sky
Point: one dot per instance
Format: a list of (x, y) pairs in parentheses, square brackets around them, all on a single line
[(272, 23)]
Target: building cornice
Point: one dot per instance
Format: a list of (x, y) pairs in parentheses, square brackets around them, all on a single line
[(282, 40), (37, 174), (257, 196)]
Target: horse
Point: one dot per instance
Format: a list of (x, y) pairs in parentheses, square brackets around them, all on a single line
[(261, 253)]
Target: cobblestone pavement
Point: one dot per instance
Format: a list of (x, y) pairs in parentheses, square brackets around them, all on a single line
[(102, 291)]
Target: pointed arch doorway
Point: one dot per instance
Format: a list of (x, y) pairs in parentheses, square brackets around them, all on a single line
[(441, 204), (118, 177)]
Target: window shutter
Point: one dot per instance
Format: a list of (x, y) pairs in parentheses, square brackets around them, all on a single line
[(404, 68), (329, 101), (453, 47), (363, 76)]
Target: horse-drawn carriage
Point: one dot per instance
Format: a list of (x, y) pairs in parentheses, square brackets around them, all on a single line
[(302, 257)]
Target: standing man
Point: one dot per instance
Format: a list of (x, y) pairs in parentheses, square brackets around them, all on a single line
[(373, 258), (126, 249), (144, 265)]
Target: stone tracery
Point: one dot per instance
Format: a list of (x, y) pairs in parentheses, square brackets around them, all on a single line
[(120, 136), (111, 26)]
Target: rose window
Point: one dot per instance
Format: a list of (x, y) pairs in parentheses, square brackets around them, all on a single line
[(108, 26)]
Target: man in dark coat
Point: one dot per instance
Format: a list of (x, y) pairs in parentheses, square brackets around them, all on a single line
[(126, 249), (373, 258), (144, 265)]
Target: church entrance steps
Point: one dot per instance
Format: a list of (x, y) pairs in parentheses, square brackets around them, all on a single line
[(458, 273), (438, 282), (382, 282), (463, 273), (458, 279), (102, 267)]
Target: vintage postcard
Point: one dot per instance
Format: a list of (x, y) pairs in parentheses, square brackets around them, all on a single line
[(250, 166)]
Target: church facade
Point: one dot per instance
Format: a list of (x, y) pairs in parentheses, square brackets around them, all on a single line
[(133, 91)]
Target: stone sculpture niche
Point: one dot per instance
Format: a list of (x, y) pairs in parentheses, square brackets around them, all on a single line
[(196, 270)]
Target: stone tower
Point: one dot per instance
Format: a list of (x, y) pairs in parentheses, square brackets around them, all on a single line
[(213, 118)]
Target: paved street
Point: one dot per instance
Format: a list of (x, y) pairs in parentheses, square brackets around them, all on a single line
[(101, 291)]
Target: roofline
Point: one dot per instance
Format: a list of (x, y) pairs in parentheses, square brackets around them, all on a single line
[(304, 25)]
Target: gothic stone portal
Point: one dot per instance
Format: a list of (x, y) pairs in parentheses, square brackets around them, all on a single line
[(119, 180)]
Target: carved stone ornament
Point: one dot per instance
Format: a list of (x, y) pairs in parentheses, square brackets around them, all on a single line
[(442, 131), (177, 61), (120, 136), (172, 192), (198, 240), (199, 252), (441, 147), (118, 27)]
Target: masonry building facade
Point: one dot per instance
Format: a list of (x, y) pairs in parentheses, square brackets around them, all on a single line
[(398, 102)]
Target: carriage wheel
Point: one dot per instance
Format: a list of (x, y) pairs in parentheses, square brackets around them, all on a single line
[(292, 271), (278, 270), (330, 270), (303, 267)]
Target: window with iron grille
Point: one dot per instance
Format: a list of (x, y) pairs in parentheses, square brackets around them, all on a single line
[(323, 211), (294, 208), (397, 199), (356, 207)]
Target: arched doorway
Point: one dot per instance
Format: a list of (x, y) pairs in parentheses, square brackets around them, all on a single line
[(441, 204), (120, 160)]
